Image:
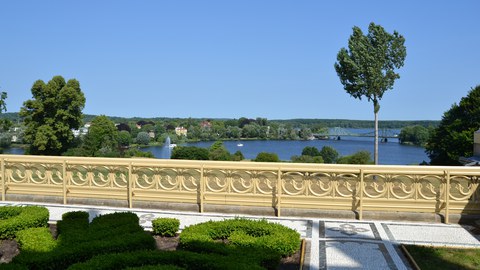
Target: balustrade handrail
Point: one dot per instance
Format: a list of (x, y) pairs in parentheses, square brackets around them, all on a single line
[(290, 185)]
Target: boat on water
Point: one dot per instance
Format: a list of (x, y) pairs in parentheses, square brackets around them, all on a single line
[(172, 145), (239, 144)]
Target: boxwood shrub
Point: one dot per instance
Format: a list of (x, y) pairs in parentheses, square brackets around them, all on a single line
[(165, 226), (244, 232), (117, 232), (257, 241), (152, 260), (16, 218), (36, 240)]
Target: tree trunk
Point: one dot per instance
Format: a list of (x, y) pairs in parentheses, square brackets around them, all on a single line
[(375, 148), (376, 108)]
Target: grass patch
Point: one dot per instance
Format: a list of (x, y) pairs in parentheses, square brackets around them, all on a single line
[(445, 258)]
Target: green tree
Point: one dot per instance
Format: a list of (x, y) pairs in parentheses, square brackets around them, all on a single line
[(217, 151), (366, 68), (56, 109), (5, 138), (190, 152), (102, 138), (329, 154), (307, 159), (124, 138), (238, 156), (453, 138), (360, 157), (266, 157), (310, 151), (417, 135), (143, 138)]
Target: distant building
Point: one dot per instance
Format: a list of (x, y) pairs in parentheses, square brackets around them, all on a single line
[(142, 123), (181, 131), (123, 126), (475, 159), (81, 131), (151, 134), (206, 124)]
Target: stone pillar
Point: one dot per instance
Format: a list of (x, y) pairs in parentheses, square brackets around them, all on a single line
[(476, 143)]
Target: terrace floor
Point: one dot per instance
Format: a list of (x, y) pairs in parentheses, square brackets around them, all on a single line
[(331, 243)]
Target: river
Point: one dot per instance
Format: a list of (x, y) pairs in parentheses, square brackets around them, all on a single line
[(390, 153)]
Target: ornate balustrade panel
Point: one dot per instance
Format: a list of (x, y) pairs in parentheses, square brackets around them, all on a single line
[(96, 180), (277, 185), (404, 192), (33, 177), (238, 186), (154, 182), (320, 189), (464, 194)]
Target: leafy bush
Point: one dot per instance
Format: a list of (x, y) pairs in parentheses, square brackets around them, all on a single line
[(143, 138), (16, 218), (266, 157), (165, 226), (310, 151), (306, 159), (190, 152), (36, 240), (360, 157), (259, 240), (329, 154)]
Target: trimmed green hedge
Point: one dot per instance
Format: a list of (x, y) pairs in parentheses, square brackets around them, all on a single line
[(257, 241), (111, 233), (244, 232), (36, 240), (165, 226), (181, 259), (156, 267), (16, 218)]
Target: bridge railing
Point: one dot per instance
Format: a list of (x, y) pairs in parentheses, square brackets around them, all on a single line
[(429, 189)]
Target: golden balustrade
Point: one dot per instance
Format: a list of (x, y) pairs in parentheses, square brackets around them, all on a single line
[(427, 189)]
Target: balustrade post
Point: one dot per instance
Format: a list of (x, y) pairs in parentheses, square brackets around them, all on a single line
[(64, 181), (279, 192), (201, 189), (3, 179), (447, 196), (129, 186), (360, 215)]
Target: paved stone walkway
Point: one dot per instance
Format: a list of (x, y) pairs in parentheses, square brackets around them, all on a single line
[(331, 244)]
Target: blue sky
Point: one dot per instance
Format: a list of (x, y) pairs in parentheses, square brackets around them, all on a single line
[(232, 59)]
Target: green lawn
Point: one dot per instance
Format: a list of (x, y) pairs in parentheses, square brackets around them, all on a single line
[(445, 258)]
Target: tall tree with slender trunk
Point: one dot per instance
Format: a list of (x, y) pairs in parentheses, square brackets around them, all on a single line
[(366, 68)]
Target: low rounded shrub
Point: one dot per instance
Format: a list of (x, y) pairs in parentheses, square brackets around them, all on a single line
[(256, 241), (16, 218), (244, 232), (36, 240), (165, 226)]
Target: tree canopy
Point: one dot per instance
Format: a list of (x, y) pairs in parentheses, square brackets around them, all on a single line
[(102, 137), (366, 68), (453, 138), (56, 109), (416, 135)]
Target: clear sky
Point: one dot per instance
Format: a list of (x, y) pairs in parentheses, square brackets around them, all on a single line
[(232, 59)]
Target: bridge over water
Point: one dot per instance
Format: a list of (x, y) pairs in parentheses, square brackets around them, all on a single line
[(342, 132)]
